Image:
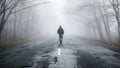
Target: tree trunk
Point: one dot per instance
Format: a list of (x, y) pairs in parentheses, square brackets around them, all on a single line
[(107, 29)]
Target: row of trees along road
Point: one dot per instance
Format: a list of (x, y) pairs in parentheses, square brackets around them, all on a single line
[(102, 20), (15, 18)]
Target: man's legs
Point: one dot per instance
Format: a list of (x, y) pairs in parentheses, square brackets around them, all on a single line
[(60, 39)]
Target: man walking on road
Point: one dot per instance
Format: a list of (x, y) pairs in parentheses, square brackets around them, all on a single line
[(60, 32)]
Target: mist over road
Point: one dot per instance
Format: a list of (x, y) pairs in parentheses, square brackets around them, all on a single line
[(75, 53)]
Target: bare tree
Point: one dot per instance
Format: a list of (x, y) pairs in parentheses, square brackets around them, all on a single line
[(7, 8), (116, 7), (103, 12)]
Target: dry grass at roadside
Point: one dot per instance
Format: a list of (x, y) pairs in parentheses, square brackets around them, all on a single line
[(112, 43), (4, 45)]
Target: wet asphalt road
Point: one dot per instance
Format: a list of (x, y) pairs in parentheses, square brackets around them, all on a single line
[(38, 54)]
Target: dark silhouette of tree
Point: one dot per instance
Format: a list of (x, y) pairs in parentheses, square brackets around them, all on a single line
[(7, 8), (116, 7)]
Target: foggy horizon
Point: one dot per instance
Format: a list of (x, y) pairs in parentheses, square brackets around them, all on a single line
[(59, 33)]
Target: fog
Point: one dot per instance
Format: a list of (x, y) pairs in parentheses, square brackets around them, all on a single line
[(91, 33), (57, 13), (96, 19)]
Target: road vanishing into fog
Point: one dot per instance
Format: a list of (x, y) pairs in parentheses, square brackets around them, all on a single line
[(74, 53)]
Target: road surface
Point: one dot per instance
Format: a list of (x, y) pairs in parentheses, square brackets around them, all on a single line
[(74, 53)]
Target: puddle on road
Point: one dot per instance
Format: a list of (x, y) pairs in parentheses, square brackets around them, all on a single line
[(59, 51), (65, 57), (41, 59)]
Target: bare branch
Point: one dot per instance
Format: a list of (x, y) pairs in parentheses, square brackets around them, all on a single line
[(29, 7)]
